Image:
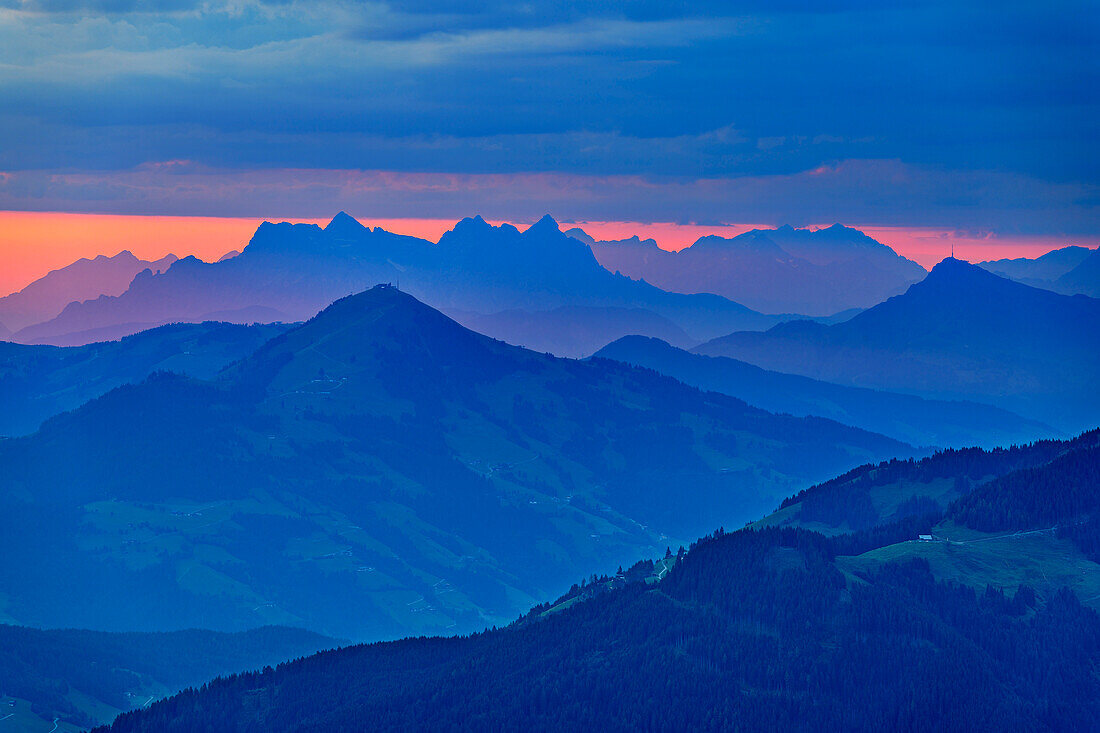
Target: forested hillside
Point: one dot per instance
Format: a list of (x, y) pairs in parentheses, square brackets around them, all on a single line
[(38, 382), (752, 631), (875, 494), (759, 629), (81, 678), (380, 457)]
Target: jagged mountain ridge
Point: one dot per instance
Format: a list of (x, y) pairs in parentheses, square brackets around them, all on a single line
[(475, 268), (86, 278), (784, 270)]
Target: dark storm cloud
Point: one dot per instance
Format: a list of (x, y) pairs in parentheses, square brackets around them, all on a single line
[(716, 90)]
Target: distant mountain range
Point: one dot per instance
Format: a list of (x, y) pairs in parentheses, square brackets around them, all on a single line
[(1084, 278), (782, 270), (86, 278), (1069, 270), (961, 333), (37, 382), (383, 458), (980, 616), (905, 417), (574, 330), (474, 272)]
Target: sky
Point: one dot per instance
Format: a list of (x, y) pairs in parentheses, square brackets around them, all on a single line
[(973, 120)]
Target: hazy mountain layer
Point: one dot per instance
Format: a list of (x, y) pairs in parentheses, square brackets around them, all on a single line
[(1040, 272), (84, 279), (783, 270), (1084, 278), (905, 417), (574, 331), (380, 458), (1070, 271), (962, 333), (475, 269)]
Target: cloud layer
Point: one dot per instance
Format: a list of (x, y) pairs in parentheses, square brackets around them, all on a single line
[(967, 104)]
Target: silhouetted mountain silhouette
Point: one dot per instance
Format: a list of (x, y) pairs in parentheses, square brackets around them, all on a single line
[(774, 270), (475, 269), (344, 226), (1040, 272), (962, 332), (86, 278), (1084, 278)]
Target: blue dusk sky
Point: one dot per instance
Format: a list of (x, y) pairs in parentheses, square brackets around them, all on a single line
[(972, 117)]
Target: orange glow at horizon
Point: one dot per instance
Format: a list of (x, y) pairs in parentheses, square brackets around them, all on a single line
[(33, 243)]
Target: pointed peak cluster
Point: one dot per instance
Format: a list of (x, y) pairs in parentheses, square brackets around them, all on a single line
[(342, 218), (343, 224), (544, 225), (471, 225), (477, 226)]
